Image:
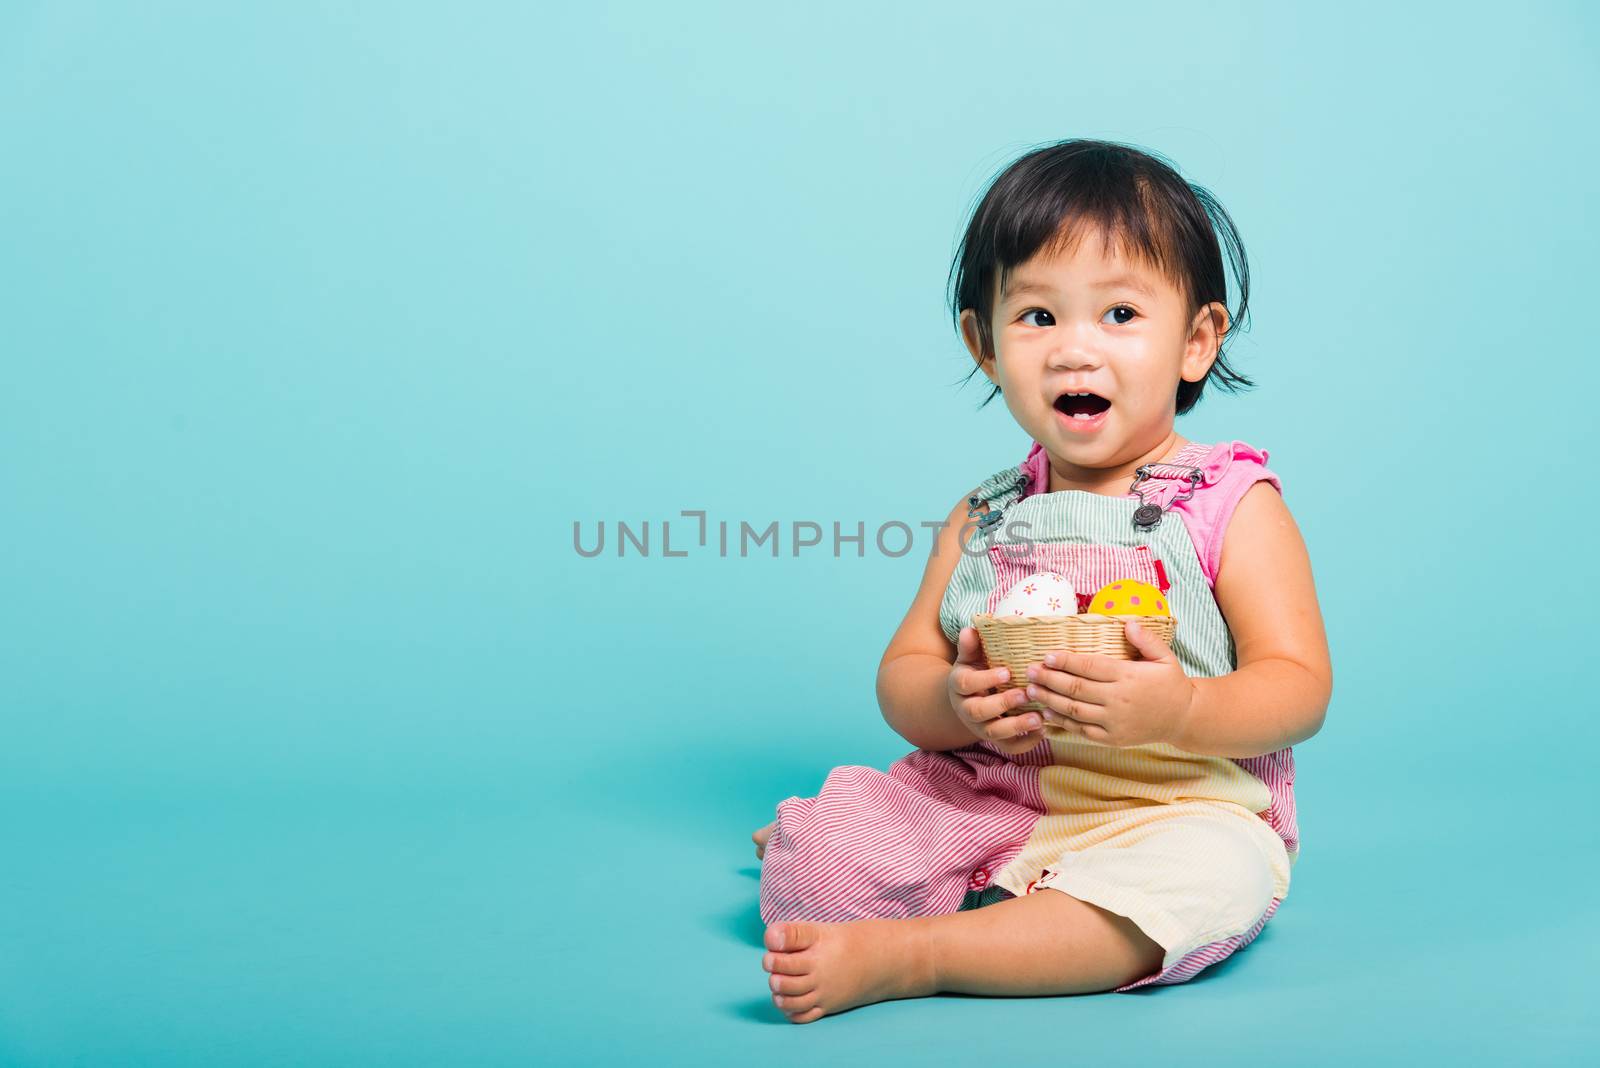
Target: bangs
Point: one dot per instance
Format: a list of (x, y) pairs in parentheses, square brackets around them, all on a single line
[(1121, 219)]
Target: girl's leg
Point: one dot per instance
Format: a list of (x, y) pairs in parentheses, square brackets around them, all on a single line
[(1047, 942), (907, 842)]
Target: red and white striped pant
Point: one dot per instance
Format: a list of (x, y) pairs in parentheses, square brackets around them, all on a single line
[(1197, 877)]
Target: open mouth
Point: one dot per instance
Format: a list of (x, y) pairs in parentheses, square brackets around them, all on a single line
[(1085, 406)]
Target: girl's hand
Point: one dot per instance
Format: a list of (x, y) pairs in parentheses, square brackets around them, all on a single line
[(968, 686), (1118, 702)]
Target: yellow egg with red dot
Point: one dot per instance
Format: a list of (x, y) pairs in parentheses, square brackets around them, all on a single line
[(1126, 597)]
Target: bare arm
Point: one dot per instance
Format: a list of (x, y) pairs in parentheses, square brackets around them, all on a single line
[(914, 671), (1278, 696)]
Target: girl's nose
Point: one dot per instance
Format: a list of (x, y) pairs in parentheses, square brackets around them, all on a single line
[(1073, 358)]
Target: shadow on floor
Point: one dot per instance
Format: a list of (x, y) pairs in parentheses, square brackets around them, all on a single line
[(1212, 972), (758, 1010), (744, 924)]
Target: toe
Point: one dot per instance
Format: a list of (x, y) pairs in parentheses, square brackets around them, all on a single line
[(792, 985), (806, 1017), (788, 963), (789, 1004), (790, 937)]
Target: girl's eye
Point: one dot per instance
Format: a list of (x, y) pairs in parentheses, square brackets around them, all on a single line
[(1112, 311), (1122, 307)]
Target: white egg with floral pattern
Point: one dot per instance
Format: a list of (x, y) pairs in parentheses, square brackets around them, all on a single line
[(1043, 593)]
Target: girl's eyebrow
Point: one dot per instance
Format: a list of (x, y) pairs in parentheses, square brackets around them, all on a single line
[(1121, 281)]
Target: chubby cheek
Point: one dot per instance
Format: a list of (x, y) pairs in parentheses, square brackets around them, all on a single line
[(1147, 383), (1136, 415), (1019, 381), (1140, 393), (1026, 410), (1132, 401)]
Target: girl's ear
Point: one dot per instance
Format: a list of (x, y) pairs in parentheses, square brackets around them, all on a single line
[(974, 343), (1210, 326)]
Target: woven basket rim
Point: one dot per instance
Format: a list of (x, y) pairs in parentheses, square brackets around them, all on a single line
[(1081, 617)]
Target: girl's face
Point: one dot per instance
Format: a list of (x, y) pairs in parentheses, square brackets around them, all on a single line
[(1090, 321)]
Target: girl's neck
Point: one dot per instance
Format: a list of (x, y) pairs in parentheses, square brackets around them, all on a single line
[(1112, 481)]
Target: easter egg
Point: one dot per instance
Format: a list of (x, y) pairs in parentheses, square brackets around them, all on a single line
[(1126, 597), (1043, 593)]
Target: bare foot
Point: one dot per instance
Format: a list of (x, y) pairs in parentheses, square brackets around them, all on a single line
[(821, 968), (761, 837)]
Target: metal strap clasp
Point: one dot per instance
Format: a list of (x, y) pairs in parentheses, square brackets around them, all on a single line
[(986, 520), (1147, 517)]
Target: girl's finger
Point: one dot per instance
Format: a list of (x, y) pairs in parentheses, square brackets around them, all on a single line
[(1018, 745), (1099, 734), (969, 647), (1066, 706), (1013, 726), (1080, 689), (972, 682), (984, 709), (1088, 665), (1083, 730)]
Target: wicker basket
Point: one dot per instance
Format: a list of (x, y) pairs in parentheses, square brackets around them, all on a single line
[(1018, 641)]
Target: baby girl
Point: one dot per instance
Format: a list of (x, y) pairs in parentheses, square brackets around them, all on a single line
[(1142, 826)]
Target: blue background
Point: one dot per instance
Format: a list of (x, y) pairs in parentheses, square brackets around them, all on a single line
[(322, 324)]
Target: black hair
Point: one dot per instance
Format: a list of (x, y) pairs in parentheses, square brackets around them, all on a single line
[(1132, 198)]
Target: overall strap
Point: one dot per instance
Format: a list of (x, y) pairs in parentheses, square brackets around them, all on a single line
[(1157, 486), (993, 495)]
